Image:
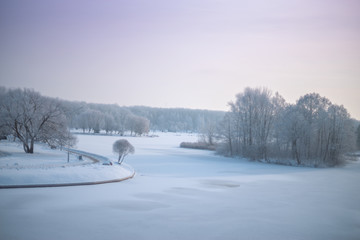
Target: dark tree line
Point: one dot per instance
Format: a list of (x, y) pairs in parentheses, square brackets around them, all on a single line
[(262, 126)]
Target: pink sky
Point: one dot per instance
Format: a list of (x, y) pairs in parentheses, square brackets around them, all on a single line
[(193, 54)]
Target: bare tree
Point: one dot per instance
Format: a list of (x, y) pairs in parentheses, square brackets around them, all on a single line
[(123, 148), (254, 113), (31, 117)]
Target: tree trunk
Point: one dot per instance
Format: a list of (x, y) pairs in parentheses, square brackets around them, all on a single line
[(31, 150), (295, 152), (26, 147), (122, 159)]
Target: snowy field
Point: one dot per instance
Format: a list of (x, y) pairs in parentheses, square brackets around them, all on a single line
[(189, 194)]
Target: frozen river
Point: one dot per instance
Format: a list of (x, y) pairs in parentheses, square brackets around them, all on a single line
[(189, 194)]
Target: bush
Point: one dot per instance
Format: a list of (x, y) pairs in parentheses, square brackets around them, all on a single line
[(123, 148), (197, 145)]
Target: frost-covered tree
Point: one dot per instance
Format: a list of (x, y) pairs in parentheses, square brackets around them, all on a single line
[(340, 138), (31, 117), (122, 147), (109, 123), (96, 120), (254, 113), (142, 125), (314, 109), (290, 129), (120, 118), (138, 125), (82, 121), (225, 131)]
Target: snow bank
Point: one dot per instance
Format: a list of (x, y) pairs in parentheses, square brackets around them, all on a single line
[(48, 166)]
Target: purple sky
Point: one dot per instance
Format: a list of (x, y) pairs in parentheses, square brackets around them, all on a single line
[(195, 54)]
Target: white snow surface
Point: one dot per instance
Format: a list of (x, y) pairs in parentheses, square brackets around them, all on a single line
[(189, 194), (48, 166)]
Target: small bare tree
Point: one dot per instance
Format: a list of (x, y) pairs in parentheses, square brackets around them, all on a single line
[(123, 148)]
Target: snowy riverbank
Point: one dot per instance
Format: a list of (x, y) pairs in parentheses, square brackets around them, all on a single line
[(47, 166)]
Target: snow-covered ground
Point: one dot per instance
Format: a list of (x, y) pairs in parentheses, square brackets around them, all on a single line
[(48, 166), (13, 156), (189, 194)]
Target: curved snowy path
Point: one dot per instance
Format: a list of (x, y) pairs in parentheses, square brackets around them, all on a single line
[(67, 177), (189, 194), (43, 172)]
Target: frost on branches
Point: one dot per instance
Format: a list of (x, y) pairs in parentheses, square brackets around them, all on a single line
[(32, 118), (123, 148), (262, 126)]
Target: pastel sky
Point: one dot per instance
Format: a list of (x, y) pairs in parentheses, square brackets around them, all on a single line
[(192, 53)]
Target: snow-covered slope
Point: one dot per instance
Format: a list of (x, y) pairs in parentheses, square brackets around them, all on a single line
[(189, 194)]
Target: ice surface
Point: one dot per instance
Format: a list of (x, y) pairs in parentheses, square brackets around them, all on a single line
[(189, 194)]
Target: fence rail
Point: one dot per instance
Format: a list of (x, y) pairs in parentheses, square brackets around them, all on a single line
[(92, 156)]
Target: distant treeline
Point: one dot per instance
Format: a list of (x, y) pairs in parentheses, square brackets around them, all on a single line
[(178, 119), (113, 118)]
